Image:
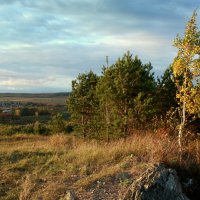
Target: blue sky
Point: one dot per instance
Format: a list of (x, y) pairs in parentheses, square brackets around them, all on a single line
[(44, 44)]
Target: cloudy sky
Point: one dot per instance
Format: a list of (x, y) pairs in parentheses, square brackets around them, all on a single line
[(44, 44)]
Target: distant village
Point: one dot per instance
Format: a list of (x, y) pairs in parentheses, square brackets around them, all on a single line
[(10, 108), (10, 104), (16, 109)]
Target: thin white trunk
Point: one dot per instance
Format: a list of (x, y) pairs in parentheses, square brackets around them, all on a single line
[(181, 128)]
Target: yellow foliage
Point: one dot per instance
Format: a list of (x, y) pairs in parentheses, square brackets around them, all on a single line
[(186, 67)]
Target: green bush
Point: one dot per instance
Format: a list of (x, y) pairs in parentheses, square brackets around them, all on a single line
[(57, 123), (9, 130), (39, 128), (26, 129)]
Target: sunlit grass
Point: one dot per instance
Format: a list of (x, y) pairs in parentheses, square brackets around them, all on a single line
[(34, 166)]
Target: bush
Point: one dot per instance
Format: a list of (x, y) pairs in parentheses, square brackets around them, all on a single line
[(57, 124), (9, 130), (26, 129), (39, 128)]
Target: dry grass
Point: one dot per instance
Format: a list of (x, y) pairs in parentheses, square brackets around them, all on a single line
[(59, 100), (57, 163), (25, 193)]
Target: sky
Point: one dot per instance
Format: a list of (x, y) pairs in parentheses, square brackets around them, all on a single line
[(45, 44)]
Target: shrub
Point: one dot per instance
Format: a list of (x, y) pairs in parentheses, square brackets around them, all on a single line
[(57, 124)]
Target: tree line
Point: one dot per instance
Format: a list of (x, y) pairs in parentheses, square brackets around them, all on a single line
[(127, 96)]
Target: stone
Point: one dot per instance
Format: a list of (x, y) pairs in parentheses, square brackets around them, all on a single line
[(69, 196), (123, 176), (157, 183)]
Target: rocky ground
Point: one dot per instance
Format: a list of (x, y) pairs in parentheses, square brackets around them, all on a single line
[(107, 188)]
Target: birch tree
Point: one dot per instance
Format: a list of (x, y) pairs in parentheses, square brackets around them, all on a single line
[(186, 69)]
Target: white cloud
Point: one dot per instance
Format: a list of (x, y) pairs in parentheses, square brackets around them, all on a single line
[(60, 39)]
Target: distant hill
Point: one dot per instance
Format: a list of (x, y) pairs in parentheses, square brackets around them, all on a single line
[(35, 95)]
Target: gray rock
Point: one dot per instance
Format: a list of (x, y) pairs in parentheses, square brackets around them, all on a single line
[(157, 183), (69, 196), (123, 176)]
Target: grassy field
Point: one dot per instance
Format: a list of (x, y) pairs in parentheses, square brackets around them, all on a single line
[(45, 98), (45, 167)]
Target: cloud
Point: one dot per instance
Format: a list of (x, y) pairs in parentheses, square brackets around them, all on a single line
[(41, 21), (24, 82), (14, 81), (60, 39)]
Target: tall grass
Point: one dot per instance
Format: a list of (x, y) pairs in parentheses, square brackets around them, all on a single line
[(60, 162)]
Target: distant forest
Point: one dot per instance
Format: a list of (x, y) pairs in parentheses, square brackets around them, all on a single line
[(34, 95)]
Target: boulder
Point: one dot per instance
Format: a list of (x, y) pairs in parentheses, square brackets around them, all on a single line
[(157, 183)]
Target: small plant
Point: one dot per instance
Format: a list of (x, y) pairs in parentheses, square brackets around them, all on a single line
[(125, 182), (37, 127)]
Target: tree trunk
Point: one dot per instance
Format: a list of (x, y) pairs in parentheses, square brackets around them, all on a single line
[(181, 128), (107, 124), (126, 118), (83, 126)]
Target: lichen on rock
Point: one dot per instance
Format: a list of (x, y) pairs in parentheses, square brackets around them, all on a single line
[(157, 183)]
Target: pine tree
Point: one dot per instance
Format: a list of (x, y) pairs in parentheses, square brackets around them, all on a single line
[(82, 102), (118, 89), (166, 93)]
